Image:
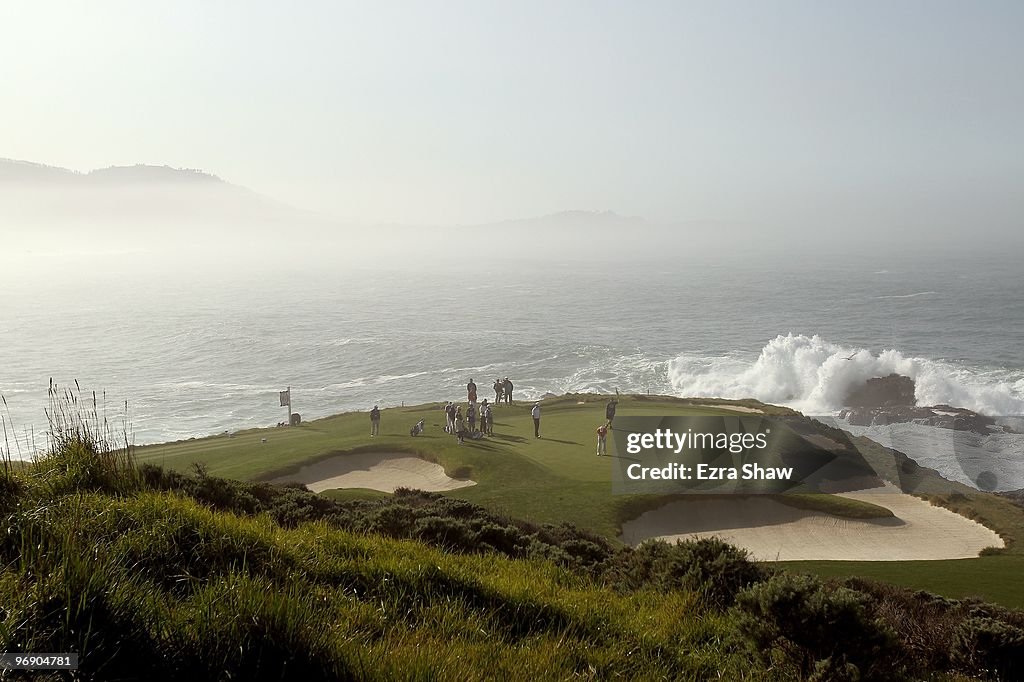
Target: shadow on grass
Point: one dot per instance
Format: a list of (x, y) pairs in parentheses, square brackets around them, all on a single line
[(563, 442), (514, 439), (631, 459), (487, 446)]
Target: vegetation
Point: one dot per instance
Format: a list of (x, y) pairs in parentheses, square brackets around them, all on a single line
[(151, 573), (158, 574)]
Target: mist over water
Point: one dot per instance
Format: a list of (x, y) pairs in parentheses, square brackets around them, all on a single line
[(203, 347)]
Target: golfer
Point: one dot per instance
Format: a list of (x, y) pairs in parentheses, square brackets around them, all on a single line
[(602, 439), (609, 412)]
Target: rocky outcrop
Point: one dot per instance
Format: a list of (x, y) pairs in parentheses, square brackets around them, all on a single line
[(890, 400), (940, 416), (894, 390)]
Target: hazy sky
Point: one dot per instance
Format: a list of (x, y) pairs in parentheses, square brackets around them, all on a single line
[(904, 114)]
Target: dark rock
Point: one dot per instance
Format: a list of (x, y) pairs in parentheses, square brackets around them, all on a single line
[(939, 416), (892, 391), (859, 416)]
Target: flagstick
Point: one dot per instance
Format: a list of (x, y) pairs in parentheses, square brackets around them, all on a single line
[(288, 407)]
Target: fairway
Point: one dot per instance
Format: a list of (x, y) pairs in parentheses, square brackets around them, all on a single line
[(559, 478), (554, 479)]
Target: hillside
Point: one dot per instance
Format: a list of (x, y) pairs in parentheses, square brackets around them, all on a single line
[(25, 174), (148, 574)]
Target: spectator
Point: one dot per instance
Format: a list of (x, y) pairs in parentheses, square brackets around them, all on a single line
[(374, 421), (498, 391), (535, 412), (460, 426), (507, 389), (449, 414), (488, 419)]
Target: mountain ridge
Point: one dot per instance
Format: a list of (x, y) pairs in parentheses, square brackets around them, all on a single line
[(19, 171)]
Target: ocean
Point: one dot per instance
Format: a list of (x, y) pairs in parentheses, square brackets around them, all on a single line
[(206, 351)]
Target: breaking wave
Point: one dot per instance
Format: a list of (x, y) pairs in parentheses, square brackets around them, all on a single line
[(814, 376)]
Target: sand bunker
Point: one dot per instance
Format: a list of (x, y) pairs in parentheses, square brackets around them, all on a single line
[(376, 471), (772, 531)]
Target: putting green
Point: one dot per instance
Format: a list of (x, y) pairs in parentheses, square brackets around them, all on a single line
[(559, 478), (554, 479)]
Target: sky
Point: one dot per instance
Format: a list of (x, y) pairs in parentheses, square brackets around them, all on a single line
[(902, 115)]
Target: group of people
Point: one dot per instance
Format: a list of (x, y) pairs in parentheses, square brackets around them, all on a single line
[(463, 425), (502, 391)]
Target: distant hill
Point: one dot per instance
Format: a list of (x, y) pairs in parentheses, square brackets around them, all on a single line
[(140, 207), (143, 173), (25, 172), (160, 209), (12, 172)]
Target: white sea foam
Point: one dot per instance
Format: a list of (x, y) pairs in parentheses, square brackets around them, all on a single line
[(813, 375)]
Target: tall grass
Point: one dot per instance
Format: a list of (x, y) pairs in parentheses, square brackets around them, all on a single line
[(86, 450), (72, 418), (8, 482)]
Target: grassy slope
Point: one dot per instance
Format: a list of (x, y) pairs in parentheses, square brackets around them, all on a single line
[(555, 479), (143, 583), (159, 586)]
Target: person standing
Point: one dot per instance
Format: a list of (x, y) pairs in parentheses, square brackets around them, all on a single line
[(602, 439), (535, 413), (374, 421), (460, 425), (507, 390), (609, 412), (498, 390), (449, 415), (471, 391), (471, 417), (489, 420)]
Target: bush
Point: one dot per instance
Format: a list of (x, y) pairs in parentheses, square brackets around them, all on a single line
[(824, 632), (709, 566), (983, 644)]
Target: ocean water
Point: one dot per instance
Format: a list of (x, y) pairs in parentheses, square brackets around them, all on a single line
[(205, 351)]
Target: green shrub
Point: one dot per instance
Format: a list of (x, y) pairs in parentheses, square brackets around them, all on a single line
[(819, 630), (709, 566), (995, 647)]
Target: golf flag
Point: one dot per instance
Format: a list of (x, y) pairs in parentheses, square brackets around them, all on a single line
[(286, 398)]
